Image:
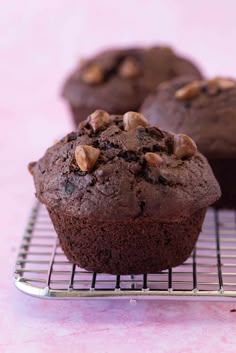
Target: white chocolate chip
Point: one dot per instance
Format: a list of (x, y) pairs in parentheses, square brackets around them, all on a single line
[(92, 74), (189, 91), (86, 157), (184, 146), (129, 68), (226, 83), (132, 120), (153, 159), (99, 119)]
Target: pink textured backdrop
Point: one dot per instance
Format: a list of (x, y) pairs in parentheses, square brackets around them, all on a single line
[(39, 43)]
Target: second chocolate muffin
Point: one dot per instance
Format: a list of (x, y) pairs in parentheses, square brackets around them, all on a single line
[(118, 80), (125, 197), (206, 111)]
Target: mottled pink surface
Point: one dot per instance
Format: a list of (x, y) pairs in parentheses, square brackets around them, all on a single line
[(39, 43)]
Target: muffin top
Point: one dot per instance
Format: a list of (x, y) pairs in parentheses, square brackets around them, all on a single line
[(118, 80), (205, 110), (120, 167)]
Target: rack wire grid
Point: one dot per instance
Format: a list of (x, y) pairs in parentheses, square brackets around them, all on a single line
[(42, 270)]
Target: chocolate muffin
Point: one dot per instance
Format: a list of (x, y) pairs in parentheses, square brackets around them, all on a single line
[(125, 197), (118, 80), (206, 111)]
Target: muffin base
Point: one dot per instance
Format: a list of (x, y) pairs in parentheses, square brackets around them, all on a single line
[(225, 173), (132, 247)]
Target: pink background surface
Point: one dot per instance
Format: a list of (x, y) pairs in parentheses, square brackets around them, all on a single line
[(40, 42)]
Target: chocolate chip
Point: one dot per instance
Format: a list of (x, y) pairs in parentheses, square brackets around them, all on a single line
[(132, 120), (213, 87), (156, 148), (89, 179), (221, 83), (154, 131), (153, 159), (187, 104), (129, 68), (69, 187), (184, 146), (98, 119), (92, 74), (189, 91), (217, 85)]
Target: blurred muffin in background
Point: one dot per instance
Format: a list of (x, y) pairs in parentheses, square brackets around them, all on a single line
[(118, 80), (206, 111)]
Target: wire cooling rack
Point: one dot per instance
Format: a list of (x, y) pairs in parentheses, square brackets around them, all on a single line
[(42, 270)]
